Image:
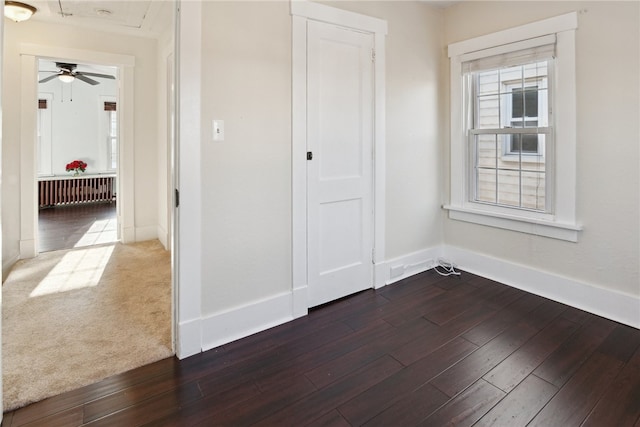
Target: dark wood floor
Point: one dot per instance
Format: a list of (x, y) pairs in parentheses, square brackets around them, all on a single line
[(428, 351), (72, 226)]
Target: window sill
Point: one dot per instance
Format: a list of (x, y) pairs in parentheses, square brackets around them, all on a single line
[(552, 229)]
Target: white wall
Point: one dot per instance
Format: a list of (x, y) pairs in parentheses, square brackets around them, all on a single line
[(246, 180), (144, 133), (608, 192), (414, 122), (77, 110), (165, 54)]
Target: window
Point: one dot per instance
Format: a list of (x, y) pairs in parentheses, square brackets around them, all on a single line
[(510, 128), (113, 140), (513, 142), (112, 135)]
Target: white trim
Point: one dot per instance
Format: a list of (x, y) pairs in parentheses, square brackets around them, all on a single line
[(332, 15), (566, 22), (163, 236), (411, 264), (148, 232), (298, 151), (301, 11), (617, 306), (562, 223), (30, 53), (28, 246), (188, 338), (299, 304), (538, 227), (188, 216), (7, 265), (77, 55), (224, 327)]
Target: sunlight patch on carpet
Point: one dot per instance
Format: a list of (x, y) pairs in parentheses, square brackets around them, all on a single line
[(76, 270)]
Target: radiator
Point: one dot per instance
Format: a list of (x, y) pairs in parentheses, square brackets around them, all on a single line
[(71, 190)]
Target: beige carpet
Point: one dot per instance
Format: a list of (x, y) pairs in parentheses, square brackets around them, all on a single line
[(73, 317)]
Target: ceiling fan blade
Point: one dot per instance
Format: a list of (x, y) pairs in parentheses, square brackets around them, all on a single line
[(46, 79), (104, 76), (86, 79)]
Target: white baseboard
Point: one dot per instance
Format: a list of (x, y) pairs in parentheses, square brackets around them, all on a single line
[(7, 265), (222, 328), (28, 249), (128, 235), (189, 338), (163, 236), (410, 264), (148, 232), (300, 303), (617, 306)]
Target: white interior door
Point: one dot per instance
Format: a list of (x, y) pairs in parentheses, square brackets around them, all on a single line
[(339, 174)]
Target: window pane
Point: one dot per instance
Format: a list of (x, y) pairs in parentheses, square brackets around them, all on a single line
[(524, 102), (525, 143), (508, 188), (533, 190), (505, 98), (512, 181)]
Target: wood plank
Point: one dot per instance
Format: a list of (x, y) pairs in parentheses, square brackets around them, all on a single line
[(410, 410), (492, 327), (343, 365), (70, 417), (508, 374), (317, 404), (469, 370), (151, 409), (572, 404), (418, 348), (395, 388), (406, 308), (378, 331), (205, 412), (568, 358), (80, 396), (620, 403), (621, 343), (331, 419), (521, 405), (466, 408)]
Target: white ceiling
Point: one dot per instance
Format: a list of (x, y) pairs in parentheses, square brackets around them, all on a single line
[(145, 18)]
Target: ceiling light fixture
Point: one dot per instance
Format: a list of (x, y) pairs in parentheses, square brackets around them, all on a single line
[(67, 78), (17, 11)]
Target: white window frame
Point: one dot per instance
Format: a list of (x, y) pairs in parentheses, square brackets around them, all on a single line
[(561, 223), (111, 139)]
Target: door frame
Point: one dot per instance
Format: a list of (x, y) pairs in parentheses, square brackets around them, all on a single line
[(302, 11), (30, 54)]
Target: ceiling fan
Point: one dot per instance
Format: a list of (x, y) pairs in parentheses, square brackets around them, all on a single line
[(67, 73)]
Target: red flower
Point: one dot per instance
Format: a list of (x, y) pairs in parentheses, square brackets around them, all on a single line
[(76, 166)]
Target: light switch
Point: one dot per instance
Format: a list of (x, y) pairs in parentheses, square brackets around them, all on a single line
[(218, 130)]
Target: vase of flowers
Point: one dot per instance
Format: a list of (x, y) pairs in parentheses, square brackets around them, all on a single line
[(76, 167)]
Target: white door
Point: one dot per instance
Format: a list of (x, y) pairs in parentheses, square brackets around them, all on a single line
[(339, 172)]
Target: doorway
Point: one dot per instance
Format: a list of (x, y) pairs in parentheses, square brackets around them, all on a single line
[(77, 155)]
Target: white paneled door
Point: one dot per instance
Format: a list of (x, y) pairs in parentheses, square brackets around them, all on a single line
[(339, 161)]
